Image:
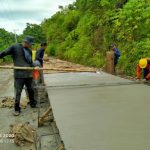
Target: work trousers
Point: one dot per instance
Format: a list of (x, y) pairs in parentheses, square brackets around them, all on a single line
[(145, 72), (19, 84)]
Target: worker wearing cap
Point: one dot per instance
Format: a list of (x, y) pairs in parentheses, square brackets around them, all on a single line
[(40, 53), (116, 55), (144, 64), (22, 57), (40, 58)]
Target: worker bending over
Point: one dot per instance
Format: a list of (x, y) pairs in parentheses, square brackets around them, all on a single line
[(144, 64)]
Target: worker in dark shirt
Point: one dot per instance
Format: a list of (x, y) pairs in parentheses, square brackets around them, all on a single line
[(40, 58), (40, 53), (22, 57), (116, 55)]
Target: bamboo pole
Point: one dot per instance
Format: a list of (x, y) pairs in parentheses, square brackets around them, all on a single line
[(53, 69)]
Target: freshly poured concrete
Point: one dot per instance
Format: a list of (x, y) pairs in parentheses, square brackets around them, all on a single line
[(100, 118)]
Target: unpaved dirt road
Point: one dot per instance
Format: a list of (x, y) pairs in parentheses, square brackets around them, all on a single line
[(61, 64)]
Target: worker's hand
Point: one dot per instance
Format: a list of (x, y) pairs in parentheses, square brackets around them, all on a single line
[(144, 80), (37, 68)]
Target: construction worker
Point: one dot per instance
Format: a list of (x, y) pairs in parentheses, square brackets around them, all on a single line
[(144, 64), (33, 55), (40, 58), (22, 57), (116, 55), (40, 53)]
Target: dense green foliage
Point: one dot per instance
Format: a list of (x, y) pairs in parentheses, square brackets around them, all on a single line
[(83, 31), (36, 31), (6, 39)]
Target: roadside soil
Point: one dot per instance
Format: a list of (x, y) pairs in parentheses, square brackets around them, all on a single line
[(51, 62)]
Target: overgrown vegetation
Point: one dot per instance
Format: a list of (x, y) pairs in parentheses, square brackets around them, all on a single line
[(83, 31), (6, 39)]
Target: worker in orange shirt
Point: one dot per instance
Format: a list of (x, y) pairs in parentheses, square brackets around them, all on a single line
[(144, 64)]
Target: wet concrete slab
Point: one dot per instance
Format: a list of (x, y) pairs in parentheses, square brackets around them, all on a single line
[(100, 118), (81, 78)]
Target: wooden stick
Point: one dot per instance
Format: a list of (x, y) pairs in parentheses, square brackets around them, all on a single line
[(54, 69), (17, 68)]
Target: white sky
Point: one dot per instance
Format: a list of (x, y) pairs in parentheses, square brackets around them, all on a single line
[(14, 14)]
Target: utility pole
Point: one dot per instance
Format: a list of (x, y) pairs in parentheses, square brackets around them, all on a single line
[(15, 30)]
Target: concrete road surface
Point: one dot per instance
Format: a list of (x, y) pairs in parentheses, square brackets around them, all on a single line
[(113, 116)]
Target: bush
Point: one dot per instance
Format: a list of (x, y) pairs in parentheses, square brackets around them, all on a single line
[(96, 61), (51, 50)]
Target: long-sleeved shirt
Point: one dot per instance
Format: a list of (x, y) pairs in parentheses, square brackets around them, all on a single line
[(17, 53), (116, 56), (40, 55), (146, 70)]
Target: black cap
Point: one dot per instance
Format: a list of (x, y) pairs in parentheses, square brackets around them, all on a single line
[(29, 40), (43, 44), (111, 46)]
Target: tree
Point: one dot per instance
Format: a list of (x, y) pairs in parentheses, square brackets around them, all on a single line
[(36, 31)]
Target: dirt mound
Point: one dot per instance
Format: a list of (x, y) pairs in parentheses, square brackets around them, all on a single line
[(51, 62), (10, 101), (7, 102), (24, 134)]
